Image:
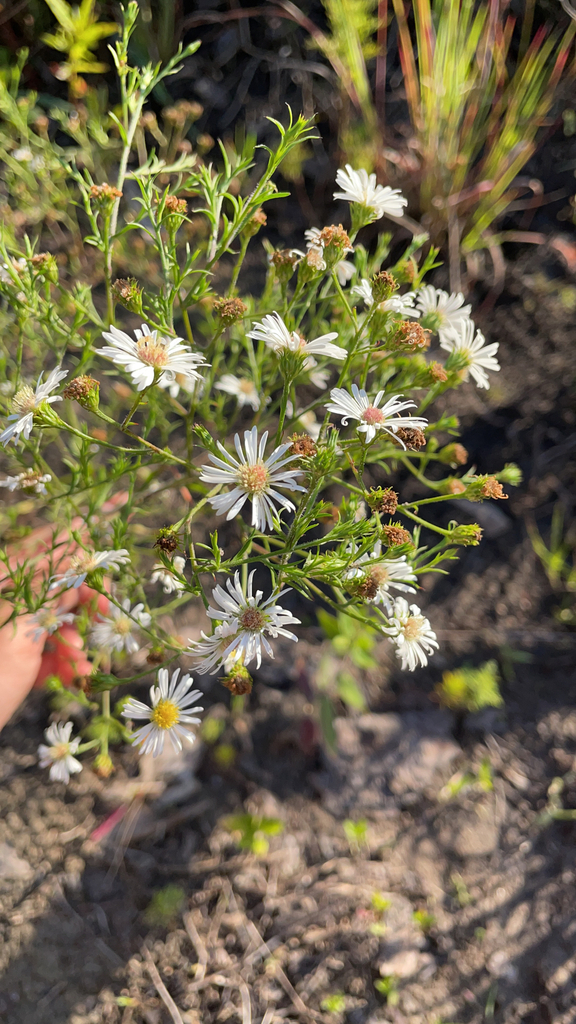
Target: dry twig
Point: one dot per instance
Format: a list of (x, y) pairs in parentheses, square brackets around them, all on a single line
[(161, 988)]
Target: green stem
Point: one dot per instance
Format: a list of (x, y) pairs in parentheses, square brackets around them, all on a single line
[(239, 262)]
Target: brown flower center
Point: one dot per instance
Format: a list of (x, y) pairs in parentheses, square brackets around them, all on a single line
[(252, 619)]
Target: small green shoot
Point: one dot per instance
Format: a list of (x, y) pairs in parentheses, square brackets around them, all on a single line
[(379, 905), (555, 810), (388, 987), (251, 831), (336, 1003), (424, 920), (470, 689), (164, 906), (461, 892), (356, 833)]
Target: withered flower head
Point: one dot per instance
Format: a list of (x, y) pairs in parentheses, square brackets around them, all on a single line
[(485, 487), (453, 454), (284, 262), (129, 293), (394, 535), (453, 486), (383, 286), (410, 337), (257, 221), (104, 193), (336, 237), (84, 390), (238, 681), (174, 205), (413, 437), (303, 445), (229, 311), (383, 500), (155, 656), (437, 372), (167, 540)]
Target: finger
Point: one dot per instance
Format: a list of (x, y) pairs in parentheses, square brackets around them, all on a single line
[(20, 659), (64, 657)]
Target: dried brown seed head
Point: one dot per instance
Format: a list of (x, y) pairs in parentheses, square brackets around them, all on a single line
[(437, 372), (238, 681), (229, 311), (104, 193), (84, 390), (410, 337), (453, 455), (303, 445), (167, 540), (413, 437), (383, 500), (394, 535), (174, 205), (383, 286)]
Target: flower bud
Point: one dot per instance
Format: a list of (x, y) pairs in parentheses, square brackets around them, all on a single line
[(129, 293), (155, 656), (103, 766), (453, 455), (465, 536), (407, 270), (511, 474), (383, 500), (84, 390), (452, 485)]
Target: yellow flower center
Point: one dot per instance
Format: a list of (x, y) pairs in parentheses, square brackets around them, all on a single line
[(24, 400), (59, 751), (165, 714), (373, 415), (252, 619), (379, 574), (245, 386), (413, 627), (122, 625), (254, 479), (152, 351)]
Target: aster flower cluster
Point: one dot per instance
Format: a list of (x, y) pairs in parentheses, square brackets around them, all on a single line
[(235, 452)]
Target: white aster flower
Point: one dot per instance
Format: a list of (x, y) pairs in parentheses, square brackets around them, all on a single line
[(275, 334), (410, 631), (113, 632), (344, 270), (360, 187), (242, 388), (169, 714), (89, 561), (30, 480), (358, 406), (23, 155), (253, 478), (26, 402), (211, 652), (48, 620), (160, 574), (442, 311), (245, 620), (150, 355), (403, 304), (191, 385), (481, 357), (58, 756), (380, 574)]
